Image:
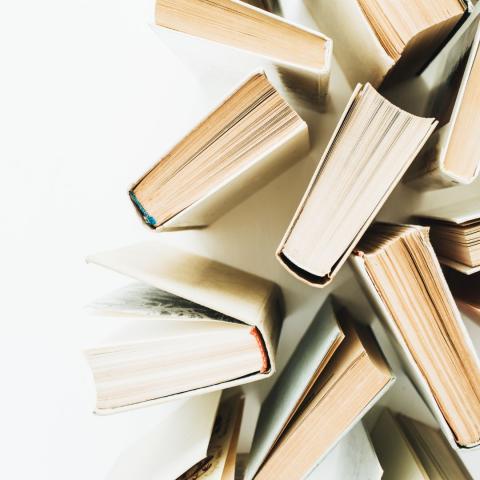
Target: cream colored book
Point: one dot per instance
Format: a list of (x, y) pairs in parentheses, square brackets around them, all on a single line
[(465, 289), (192, 326), (301, 55), (410, 449), (336, 373), (353, 458), (402, 277), (372, 147), (455, 234), (451, 157), (385, 41), (249, 138)]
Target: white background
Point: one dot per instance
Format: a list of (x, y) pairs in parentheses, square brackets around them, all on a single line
[(89, 98)]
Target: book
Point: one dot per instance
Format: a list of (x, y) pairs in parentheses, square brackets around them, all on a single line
[(372, 146), (401, 275), (336, 373), (451, 94), (455, 234), (249, 138), (465, 290), (301, 55), (382, 42), (410, 449), (193, 325), (219, 462), (172, 443), (353, 458)]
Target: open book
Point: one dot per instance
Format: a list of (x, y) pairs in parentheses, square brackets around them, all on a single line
[(250, 137), (379, 41), (336, 373), (301, 55), (455, 234), (403, 278), (370, 150), (410, 449), (194, 325), (452, 82)]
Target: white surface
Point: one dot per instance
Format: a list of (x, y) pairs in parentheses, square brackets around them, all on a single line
[(89, 98)]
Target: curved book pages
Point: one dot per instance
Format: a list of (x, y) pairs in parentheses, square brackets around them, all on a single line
[(384, 41), (302, 56), (455, 234), (334, 376), (192, 326), (452, 89), (373, 145), (403, 278), (410, 449), (249, 138)]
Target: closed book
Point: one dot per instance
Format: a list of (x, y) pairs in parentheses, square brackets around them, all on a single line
[(302, 56), (386, 41), (336, 373), (252, 136), (402, 277), (373, 145)]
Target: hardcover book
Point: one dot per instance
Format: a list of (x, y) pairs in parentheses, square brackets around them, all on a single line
[(336, 373), (401, 275), (301, 55), (410, 449), (249, 138), (192, 326), (372, 147), (386, 41)]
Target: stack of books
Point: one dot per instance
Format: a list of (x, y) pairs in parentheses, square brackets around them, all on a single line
[(191, 327)]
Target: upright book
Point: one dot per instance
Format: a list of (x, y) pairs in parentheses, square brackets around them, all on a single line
[(335, 375), (403, 278), (455, 234), (301, 55), (194, 325), (370, 150), (452, 93), (410, 449), (253, 135), (384, 41)]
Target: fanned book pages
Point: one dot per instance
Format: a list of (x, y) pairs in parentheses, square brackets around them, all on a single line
[(455, 234), (466, 291), (353, 458), (252, 136), (192, 326), (409, 449), (403, 278), (452, 93), (380, 41), (336, 373), (370, 150), (302, 56)]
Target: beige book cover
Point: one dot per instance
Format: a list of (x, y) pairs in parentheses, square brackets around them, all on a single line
[(244, 181), (240, 296), (359, 50), (411, 367), (260, 33)]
